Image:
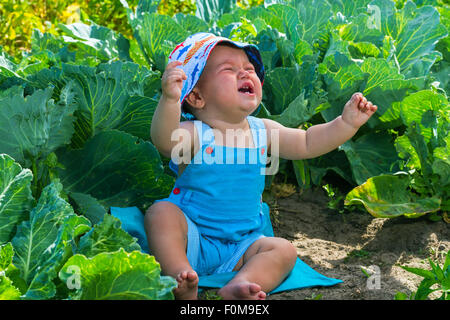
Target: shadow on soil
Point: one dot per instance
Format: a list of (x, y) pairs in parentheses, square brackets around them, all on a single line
[(341, 245)]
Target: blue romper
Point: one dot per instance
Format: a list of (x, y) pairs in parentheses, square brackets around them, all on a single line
[(220, 194)]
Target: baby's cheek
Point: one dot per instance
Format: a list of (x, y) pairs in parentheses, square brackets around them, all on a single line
[(258, 87)]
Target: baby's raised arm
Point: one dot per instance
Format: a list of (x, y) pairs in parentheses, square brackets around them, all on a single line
[(166, 118), (297, 144)]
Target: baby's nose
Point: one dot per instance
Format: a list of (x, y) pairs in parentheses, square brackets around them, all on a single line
[(243, 73)]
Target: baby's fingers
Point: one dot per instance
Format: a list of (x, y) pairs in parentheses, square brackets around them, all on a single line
[(369, 108), (174, 75), (372, 108), (363, 104), (174, 64)]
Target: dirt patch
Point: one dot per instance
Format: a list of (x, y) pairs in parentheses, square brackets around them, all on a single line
[(339, 245)]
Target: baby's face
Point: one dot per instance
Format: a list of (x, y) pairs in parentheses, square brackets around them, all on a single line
[(229, 83)]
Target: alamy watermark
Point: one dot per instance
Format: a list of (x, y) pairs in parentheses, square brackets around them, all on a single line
[(373, 274), (181, 152), (374, 20), (74, 280)]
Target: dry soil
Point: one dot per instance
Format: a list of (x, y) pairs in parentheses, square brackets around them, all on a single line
[(341, 245)]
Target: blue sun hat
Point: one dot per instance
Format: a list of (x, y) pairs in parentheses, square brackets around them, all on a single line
[(194, 52)]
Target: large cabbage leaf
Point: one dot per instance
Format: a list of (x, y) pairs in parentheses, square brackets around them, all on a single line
[(389, 196), (116, 95), (116, 168), (370, 155), (8, 69), (191, 24), (284, 85), (426, 114), (116, 276), (102, 97), (42, 243), (342, 78), (426, 108), (424, 147), (298, 112), (405, 50), (137, 116), (211, 10), (303, 20), (106, 236), (415, 31), (33, 127), (97, 41), (379, 80), (157, 35), (7, 289), (88, 206), (15, 196)]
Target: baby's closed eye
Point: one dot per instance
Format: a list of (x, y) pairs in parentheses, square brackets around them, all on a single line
[(249, 67)]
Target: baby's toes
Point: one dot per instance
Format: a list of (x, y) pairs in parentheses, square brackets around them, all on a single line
[(254, 288), (187, 285), (181, 276), (261, 295), (192, 275), (192, 278)]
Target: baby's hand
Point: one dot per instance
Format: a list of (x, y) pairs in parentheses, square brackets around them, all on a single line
[(358, 110), (172, 81)]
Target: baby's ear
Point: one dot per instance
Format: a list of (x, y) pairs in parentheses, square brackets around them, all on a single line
[(195, 99)]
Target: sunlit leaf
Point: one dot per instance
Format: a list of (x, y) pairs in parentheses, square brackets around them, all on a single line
[(388, 196)]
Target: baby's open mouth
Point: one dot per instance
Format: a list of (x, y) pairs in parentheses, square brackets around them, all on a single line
[(246, 88)]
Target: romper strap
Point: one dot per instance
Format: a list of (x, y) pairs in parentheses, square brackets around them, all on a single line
[(205, 133), (258, 131), (173, 166), (205, 137)]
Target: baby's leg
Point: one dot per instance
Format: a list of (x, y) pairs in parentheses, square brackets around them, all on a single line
[(265, 264), (166, 229)]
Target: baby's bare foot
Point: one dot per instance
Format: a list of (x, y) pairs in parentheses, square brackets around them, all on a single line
[(187, 285), (242, 291)]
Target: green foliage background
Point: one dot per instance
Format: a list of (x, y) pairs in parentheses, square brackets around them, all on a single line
[(19, 17)]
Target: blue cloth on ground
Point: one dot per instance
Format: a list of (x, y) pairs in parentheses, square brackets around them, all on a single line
[(302, 276)]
